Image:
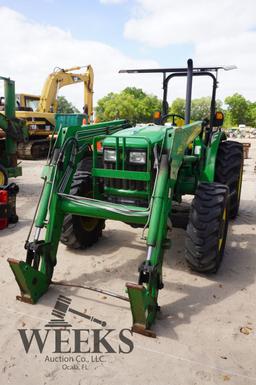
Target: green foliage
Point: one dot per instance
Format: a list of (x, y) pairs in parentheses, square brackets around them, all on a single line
[(238, 107), (200, 108), (240, 110), (65, 107), (178, 107), (252, 114), (131, 103), (227, 120), (135, 105)]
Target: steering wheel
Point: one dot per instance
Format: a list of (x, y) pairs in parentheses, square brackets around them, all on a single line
[(174, 116)]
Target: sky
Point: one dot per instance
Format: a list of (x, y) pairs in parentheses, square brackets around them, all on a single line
[(37, 36)]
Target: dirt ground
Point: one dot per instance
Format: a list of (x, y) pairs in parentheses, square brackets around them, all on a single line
[(206, 331)]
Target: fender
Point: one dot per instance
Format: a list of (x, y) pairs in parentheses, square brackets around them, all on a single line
[(211, 156)]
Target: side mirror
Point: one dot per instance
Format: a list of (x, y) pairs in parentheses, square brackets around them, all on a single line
[(218, 119)]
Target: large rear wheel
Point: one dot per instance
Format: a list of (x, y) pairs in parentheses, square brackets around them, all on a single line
[(79, 232), (207, 227), (229, 171)]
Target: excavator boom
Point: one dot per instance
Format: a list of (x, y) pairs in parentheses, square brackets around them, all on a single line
[(61, 78)]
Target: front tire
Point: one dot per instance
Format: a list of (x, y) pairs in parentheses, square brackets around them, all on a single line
[(79, 232), (207, 227)]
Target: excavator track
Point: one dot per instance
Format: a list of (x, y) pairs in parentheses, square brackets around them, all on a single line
[(34, 149)]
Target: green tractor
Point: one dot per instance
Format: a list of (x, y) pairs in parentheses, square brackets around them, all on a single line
[(12, 131), (137, 175)]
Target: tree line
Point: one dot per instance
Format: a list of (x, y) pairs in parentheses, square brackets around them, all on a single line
[(135, 105)]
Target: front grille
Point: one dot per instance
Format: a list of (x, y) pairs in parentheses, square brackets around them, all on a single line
[(126, 184)]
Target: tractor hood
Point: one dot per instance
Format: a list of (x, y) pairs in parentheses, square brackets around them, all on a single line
[(134, 136)]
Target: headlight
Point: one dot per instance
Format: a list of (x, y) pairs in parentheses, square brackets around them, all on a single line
[(137, 157), (110, 155)]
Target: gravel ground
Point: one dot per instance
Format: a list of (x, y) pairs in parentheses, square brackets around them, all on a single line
[(206, 331)]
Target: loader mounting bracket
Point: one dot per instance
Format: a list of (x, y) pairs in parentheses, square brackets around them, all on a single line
[(143, 307), (32, 283)]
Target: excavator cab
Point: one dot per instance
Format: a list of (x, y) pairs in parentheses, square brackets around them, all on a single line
[(27, 102)]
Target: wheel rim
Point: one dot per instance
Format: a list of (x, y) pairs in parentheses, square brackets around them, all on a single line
[(2, 178), (222, 231), (240, 184), (89, 224)]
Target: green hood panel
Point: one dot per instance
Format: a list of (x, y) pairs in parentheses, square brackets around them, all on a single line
[(154, 134)]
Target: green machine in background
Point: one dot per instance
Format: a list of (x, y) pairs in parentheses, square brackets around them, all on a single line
[(137, 175), (12, 131)]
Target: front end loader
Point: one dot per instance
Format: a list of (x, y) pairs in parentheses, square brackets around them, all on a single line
[(137, 175)]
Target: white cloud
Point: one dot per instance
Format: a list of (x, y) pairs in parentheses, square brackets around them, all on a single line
[(30, 51), (163, 22), (237, 50), (221, 31)]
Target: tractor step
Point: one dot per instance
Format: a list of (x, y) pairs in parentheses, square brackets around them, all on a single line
[(32, 283)]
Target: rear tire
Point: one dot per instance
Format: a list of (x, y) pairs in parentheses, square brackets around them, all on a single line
[(207, 227), (229, 171), (79, 232)]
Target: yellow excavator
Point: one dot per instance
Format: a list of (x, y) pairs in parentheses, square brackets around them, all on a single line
[(39, 112), (27, 102)]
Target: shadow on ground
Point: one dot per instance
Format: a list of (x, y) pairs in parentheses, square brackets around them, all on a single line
[(237, 272)]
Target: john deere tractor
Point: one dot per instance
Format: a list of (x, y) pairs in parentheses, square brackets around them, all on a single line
[(12, 132), (137, 175)]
